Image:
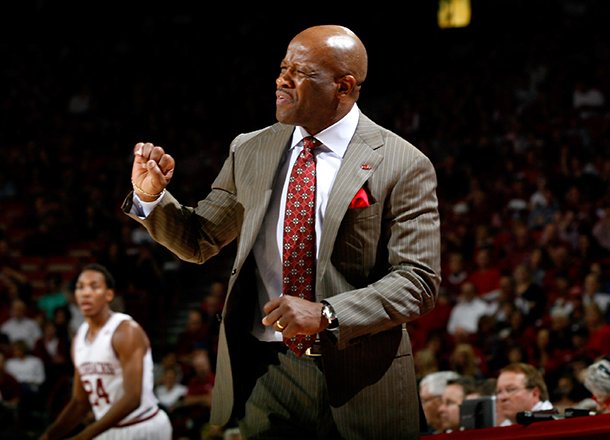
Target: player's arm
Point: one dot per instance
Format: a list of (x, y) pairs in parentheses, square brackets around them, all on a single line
[(73, 413), (130, 343)]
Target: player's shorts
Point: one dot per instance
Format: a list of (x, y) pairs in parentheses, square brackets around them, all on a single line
[(157, 427)]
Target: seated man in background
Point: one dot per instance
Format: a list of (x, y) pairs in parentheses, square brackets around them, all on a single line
[(455, 393), (431, 389), (597, 381), (520, 387)]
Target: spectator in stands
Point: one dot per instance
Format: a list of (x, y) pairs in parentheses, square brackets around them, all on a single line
[(193, 336), (431, 389), (168, 360), (516, 246), (455, 274), (29, 372), (170, 391), (560, 265), (559, 299), (26, 368), (53, 296), (598, 340), (425, 362), (10, 395), (601, 229), (486, 274), (54, 351), (520, 387), (483, 239), (518, 332), (76, 317), (10, 392), (11, 274), (568, 392), (61, 318), (590, 255), (529, 296), (504, 294), (543, 211), (464, 316), (545, 356), (587, 98), (193, 414), (456, 391), (439, 344), (467, 361), (560, 327), (597, 381), (20, 327), (536, 263), (592, 292)]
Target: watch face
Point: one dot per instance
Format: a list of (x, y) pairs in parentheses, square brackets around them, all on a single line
[(328, 313)]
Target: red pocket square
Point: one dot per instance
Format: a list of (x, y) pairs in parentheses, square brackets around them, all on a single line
[(360, 200)]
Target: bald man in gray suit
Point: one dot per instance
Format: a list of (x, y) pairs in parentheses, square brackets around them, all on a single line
[(377, 263)]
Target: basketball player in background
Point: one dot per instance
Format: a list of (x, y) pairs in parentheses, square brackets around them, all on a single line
[(113, 375)]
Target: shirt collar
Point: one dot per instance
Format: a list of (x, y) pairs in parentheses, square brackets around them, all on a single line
[(336, 137)]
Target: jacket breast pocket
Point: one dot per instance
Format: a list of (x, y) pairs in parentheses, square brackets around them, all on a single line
[(356, 246)]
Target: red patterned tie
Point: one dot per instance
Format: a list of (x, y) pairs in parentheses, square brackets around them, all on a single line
[(300, 235)]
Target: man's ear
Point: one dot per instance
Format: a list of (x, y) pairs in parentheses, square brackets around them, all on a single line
[(346, 84), (537, 392)]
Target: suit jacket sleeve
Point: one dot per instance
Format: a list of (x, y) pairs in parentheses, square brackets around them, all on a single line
[(395, 244), (196, 234)]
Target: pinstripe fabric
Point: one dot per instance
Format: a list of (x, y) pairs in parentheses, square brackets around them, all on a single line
[(378, 266), (287, 395)]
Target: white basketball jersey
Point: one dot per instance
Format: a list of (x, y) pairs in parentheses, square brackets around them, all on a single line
[(101, 373)]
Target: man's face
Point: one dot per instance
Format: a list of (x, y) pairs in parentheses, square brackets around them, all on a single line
[(449, 409), (513, 396), (92, 293), (306, 88), (430, 403)]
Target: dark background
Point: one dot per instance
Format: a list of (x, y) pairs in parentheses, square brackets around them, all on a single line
[(219, 67)]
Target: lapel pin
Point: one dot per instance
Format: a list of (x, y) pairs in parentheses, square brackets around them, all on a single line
[(365, 166)]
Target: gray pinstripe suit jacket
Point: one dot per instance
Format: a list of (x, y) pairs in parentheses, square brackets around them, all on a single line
[(378, 266)]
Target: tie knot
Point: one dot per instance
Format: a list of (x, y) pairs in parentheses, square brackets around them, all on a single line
[(310, 142)]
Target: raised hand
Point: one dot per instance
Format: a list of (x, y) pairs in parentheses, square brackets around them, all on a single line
[(152, 170)]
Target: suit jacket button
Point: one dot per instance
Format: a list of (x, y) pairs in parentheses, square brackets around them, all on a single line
[(234, 271)]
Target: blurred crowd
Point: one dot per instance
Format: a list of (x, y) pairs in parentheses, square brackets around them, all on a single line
[(516, 122)]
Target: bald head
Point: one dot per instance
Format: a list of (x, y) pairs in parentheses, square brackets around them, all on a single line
[(342, 47), (320, 77)]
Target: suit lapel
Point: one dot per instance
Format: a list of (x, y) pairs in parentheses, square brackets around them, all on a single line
[(360, 161), (262, 156)]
